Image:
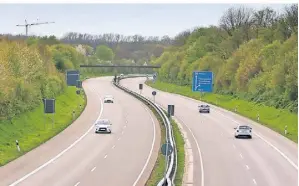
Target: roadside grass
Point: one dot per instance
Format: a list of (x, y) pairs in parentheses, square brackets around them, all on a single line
[(276, 119), (159, 168), (33, 128), (87, 75), (179, 140)]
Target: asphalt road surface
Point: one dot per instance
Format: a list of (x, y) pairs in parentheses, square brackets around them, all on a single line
[(78, 156), (268, 159)]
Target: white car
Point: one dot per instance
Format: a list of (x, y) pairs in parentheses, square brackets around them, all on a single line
[(243, 130), (108, 99), (103, 126)]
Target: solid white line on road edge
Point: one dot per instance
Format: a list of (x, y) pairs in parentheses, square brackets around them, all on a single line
[(93, 169), (188, 171), (270, 144), (254, 181), (61, 153), (152, 147), (241, 156), (198, 149), (247, 167), (113, 147), (105, 156), (200, 155), (77, 184)]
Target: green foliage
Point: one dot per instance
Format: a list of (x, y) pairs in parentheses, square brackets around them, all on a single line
[(28, 72), (29, 127), (104, 53), (254, 60), (66, 57)]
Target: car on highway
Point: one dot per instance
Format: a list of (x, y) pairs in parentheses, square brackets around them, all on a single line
[(204, 108), (243, 131), (108, 99), (103, 126)]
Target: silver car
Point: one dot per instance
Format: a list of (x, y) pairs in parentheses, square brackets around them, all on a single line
[(204, 108), (243, 130), (108, 99), (103, 126)]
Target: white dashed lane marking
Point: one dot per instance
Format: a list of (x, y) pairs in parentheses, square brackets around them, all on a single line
[(247, 167), (241, 155), (93, 169), (254, 181)]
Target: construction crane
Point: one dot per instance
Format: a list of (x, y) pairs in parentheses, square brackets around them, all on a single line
[(26, 25)]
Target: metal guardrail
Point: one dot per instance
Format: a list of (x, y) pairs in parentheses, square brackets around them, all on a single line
[(172, 159)]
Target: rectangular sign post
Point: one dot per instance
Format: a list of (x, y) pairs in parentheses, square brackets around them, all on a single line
[(49, 108), (154, 77), (79, 84), (72, 76), (170, 110), (140, 87), (202, 81)]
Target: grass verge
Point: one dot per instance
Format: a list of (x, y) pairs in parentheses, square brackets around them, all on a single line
[(33, 128), (158, 170), (276, 119), (179, 140), (86, 75)]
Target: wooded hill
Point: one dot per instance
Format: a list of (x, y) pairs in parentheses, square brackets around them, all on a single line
[(253, 55), (33, 69)]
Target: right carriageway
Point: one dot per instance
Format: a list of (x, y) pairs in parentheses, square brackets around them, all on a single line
[(268, 159)]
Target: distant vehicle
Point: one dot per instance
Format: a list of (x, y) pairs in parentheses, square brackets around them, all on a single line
[(243, 130), (103, 126), (204, 108), (121, 75), (108, 99)]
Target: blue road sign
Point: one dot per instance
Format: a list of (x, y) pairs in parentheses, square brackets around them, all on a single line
[(202, 81)]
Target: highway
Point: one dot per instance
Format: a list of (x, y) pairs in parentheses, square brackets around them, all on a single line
[(268, 159), (78, 156)]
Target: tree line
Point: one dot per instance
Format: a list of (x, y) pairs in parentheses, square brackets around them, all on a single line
[(33, 69), (252, 53)]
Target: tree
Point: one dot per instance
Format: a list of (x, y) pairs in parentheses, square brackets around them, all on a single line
[(236, 18), (104, 53)]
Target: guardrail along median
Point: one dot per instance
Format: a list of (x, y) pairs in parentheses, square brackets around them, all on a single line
[(171, 167)]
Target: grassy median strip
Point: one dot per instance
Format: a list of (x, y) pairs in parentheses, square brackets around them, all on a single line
[(158, 171), (159, 168), (273, 118), (179, 140), (34, 128)]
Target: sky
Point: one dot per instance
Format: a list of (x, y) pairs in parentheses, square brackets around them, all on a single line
[(126, 19)]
